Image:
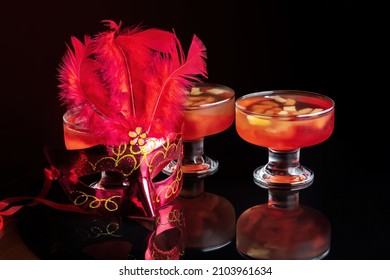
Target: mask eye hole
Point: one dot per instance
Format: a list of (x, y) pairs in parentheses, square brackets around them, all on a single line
[(161, 176), (105, 180), (158, 173), (89, 179)]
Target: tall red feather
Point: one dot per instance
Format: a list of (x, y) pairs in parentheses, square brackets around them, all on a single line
[(79, 81), (166, 92), (124, 78)]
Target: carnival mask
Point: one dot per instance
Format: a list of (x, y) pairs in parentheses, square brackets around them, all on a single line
[(121, 180), (125, 91)]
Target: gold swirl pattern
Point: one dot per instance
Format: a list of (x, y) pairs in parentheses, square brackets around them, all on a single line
[(148, 152), (167, 146), (174, 216), (171, 189), (172, 254), (96, 232), (120, 154), (150, 145), (109, 203)]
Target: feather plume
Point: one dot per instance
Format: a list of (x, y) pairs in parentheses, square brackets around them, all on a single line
[(176, 76), (79, 81), (121, 79)]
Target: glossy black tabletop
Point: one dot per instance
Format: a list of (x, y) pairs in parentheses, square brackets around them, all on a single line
[(329, 47)]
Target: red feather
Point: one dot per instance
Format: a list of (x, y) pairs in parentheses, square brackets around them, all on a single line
[(167, 91), (80, 86), (132, 77)]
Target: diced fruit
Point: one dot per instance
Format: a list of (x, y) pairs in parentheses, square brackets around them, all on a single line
[(270, 102), (215, 91), (258, 121), (283, 113), (305, 111), (290, 102), (290, 109), (279, 99), (316, 110), (200, 100), (195, 91), (259, 108)]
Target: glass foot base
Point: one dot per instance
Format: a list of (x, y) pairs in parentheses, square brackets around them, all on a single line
[(295, 179), (283, 171), (195, 163), (272, 233), (201, 166)]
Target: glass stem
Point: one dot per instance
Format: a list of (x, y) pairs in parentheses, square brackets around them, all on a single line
[(193, 151), (285, 162), (283, 171), (283, 199)]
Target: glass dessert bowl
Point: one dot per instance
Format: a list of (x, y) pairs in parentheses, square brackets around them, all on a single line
[(209, 110), (283, 121)]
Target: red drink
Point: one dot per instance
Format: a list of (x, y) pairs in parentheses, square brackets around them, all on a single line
[(76, 135), (209, 110), (285, 120)]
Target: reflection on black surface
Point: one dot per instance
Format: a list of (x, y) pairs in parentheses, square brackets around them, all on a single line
[(210, 218), (55, 234), (269, 232)]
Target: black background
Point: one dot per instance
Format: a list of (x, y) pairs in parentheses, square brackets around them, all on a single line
[(336, 48)]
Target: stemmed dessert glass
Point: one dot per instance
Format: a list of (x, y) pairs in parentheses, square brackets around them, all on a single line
[(284, 121), (210, 219), (209, 110)]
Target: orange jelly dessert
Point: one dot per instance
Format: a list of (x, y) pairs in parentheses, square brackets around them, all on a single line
[(209, 110), (284, 120)]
